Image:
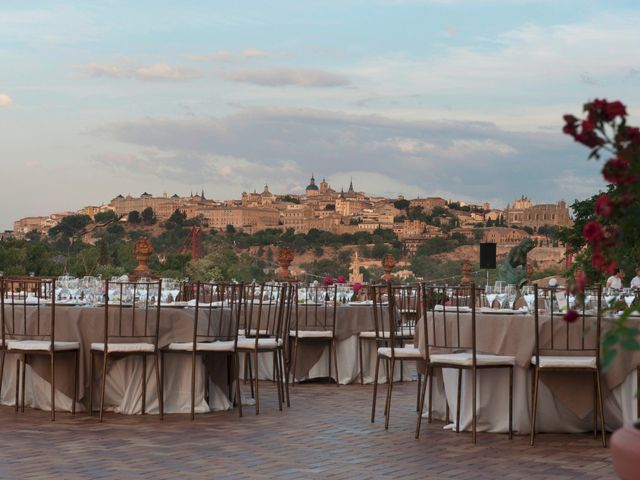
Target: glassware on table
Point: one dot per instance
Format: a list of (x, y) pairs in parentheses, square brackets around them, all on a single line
[(490, 295), (501, 293), (528, 293), (512, 295), (629, 296)]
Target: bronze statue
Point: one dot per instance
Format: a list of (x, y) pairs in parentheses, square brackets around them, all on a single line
[(514, 269)]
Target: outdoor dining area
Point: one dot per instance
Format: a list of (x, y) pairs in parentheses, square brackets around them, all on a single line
[(482, 359)]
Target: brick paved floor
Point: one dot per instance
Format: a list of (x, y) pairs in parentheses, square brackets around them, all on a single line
[(325, 434)]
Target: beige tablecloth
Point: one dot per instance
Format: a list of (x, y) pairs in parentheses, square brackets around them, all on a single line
[(514, 335)]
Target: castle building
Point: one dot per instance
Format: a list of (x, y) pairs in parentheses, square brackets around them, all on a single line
[(524, 213)]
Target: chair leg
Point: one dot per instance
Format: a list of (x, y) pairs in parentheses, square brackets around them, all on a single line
[(360, 359), (419, 390), (53, 386), (236, 361), (105, 360), (144, 383), (335, 360), (76, 374), (430, 395), (193, 384), (159, 389), (248, 362), (389, 395), (24, 374), (601, 409), (276, 373), (595, 406), (294, 361), (330, 355), (422, 393), (510, 403), (90, 383), (459, 400), (162, 378), (375, 390), (255, 360), (17, 384), (474, 414), (286, 383), (4, 353), (534, 405)]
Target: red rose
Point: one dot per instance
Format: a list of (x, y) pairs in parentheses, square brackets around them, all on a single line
[(357, 287), (340, 279), (593, 231), (588, 126), (328, 281), (615, 109), (597, 260), (571, 316), (604, 206), (581, 280)]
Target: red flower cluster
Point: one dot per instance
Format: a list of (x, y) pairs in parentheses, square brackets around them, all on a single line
[(618, 172), (341, 279), (603, 111), (584, 134), (357, 286), (571, 316), (328, 281), (600, 238), (604, 206)]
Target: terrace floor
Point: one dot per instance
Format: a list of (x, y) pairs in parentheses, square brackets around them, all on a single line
[(325, 434)]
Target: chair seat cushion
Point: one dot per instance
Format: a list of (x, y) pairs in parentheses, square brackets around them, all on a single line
[(565, 361), (218, 346), (124, 347), (312, 334), (400, 352), (465, 359), (43, 345), (405, 333), (263, 343)]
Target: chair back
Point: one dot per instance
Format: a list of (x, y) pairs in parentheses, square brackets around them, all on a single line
[(449, 319), (556, 336), (217, 315), (266, 310), (315, 307), (132, 312), (395, 310), (28, 306)]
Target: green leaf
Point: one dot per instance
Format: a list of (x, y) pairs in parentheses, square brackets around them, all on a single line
[(630, 343), (608, 356), (610, 339)]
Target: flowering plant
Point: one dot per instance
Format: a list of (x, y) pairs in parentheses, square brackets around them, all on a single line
[(328, 281), (612, 228), (357, 287), (340, 279)]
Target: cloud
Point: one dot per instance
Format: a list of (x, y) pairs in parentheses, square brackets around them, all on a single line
[(5, 100), (154, 72), (464, 159), (278, 77), (228, 56)]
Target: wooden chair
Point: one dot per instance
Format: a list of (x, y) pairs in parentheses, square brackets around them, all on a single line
[(389, 335), (568, 347), (29, 329), (131, 327), (449, 311), (408, 303), (215, 332), (266, 315), (315, 310)]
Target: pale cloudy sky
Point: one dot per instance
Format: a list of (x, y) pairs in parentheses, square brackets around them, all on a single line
[(461, 99)]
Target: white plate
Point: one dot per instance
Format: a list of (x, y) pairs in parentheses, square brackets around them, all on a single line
[(502, 311), (453, 309)]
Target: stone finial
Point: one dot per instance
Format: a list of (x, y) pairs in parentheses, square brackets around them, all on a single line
[(142, 251), (388, 262), (285, 257), (466, 273)]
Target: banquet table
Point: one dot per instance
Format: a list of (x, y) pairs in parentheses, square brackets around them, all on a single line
[(565, 402), (85, 324)]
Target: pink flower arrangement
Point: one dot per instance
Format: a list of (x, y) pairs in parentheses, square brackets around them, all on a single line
[(341, 279), (357, 287), (328, 281)]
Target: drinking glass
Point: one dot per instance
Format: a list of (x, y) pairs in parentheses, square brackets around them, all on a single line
[(528, 293), (490, 294)]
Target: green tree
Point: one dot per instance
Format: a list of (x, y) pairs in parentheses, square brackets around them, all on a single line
[(70, 225), (148, 216), (134, 217), (104, 217)]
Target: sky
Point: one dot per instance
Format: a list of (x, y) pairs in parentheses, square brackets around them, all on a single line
[(461, 98)]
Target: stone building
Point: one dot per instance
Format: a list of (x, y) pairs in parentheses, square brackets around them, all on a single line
[(503, 235), (241, 218), (523, 213), (428, 203)]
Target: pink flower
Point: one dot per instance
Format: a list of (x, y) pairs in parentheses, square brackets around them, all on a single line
[(357, 287), (340, 279), (593, 231), (571, 316), (604, 206), (581, 280), (328, 281)]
